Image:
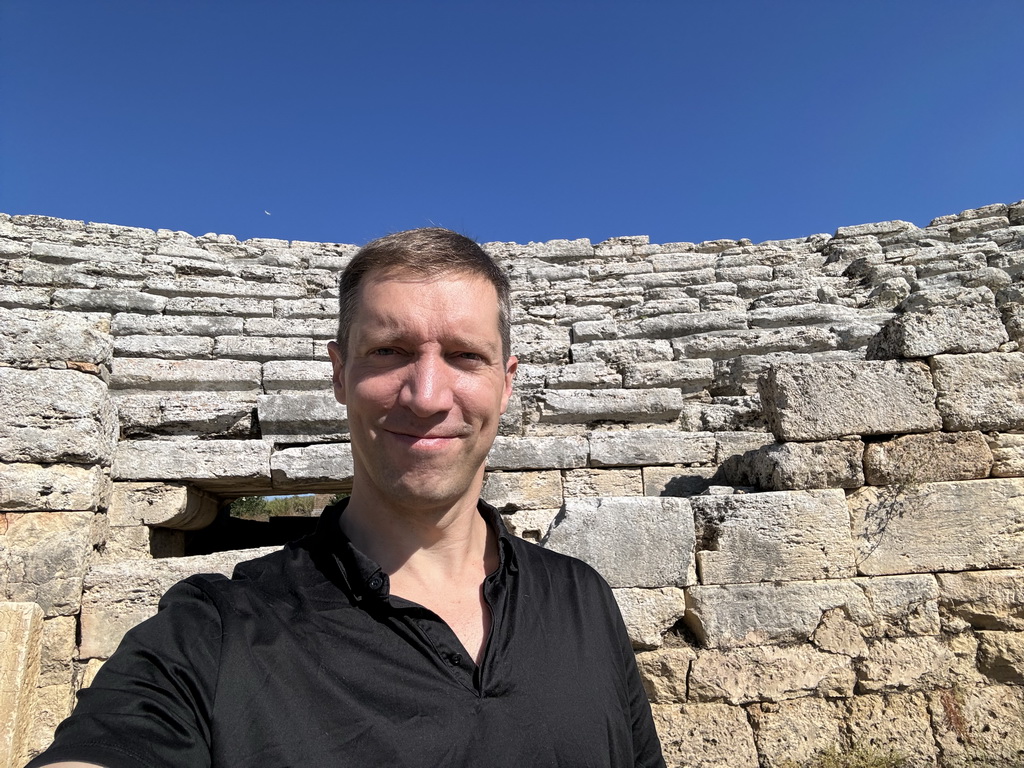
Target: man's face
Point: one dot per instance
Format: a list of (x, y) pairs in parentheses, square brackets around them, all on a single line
[(425, 385)]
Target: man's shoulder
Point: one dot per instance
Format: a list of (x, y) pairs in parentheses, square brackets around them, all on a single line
[(538, 561)]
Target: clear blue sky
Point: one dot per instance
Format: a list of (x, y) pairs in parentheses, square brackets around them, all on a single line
[(520, 120)]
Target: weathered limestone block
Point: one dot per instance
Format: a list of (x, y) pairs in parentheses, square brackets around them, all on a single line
[(263, 348), (21, 637), (14, 297), (798, 466), (897, 723), (677, 481), (619, 353), (979, 726), (943, 321), (880, 228), (43, 557), (290, 375), (108, 300), (537, 343), (281, 327), (163, 346), (739, 375), (939, 526), (513, 491), (1001, 656), (530, 524), (1007, 455), (37, 337), (664, 674), (927, 458), (590, 330), (992, 600), (302, 417), (54, 695), (119, 595), (185, 375), (563, 406), (210, 462), (226, 286), (793, 732), (772, 536), (538, 453), (705, 736), (603, 482), (650, 613), (210, 414), (837, 633), (632, 541), (688, 375), (215, 305), (54, 416), (820, 401), (300, 309), (731, 445), (578, 375), (917, 664), (731, 616), (769, 673), (132, 324), (686, 324), (651, 446), (755, 341), (327, 464), (52, 488), (980, 391), (53, 703), (162, 504)]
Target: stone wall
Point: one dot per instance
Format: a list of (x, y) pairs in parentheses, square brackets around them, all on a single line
[(799, 463)]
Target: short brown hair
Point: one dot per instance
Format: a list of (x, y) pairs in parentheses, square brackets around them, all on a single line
[(427, 252)]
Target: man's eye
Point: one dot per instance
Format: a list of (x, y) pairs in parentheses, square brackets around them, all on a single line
[(383, 352), (470, 356)]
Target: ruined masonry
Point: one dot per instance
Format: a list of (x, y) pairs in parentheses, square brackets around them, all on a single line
[(799, 463)]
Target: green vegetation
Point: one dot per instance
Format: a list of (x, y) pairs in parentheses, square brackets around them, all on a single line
[(262, 508)]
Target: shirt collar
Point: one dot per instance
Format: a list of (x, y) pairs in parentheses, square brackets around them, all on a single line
[(364, 577)]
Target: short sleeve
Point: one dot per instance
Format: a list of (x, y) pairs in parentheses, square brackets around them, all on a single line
[(150, 703)]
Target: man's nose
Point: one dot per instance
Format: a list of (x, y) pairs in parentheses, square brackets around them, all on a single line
[(427, 388)]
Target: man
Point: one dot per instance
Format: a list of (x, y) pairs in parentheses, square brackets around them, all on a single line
[(411, 629)]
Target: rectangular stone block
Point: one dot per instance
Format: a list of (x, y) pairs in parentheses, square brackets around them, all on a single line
[(107, 300), (281, 327), (603, 482), (755, 341), (539, 343), (530, 524), (21, 631), (619, 352), (55, 416), (52, 488), (538, 453), (798, 731), (987, 600), (42, 558), (281, 376), (633, 541), (688, 375), (649, 614), (799, 466), (1007, 455), (677, 481), (37, 337), (209, 463), (131, 324), (705, 736), (206, 375), (953, 526), (979, 726), (643, 447), (302, 417), (215, 305), (685, 324), (746, 675), (326, 465), (513, 491), (881, 722), (980, 391), (821, 401), (299, 309), (210, 414), (166, 347), (568, 406), (730, 616), (224, 287), (577, 376), (928, 458), (918, 664), (263, 348), (15, 297), (786, 535)]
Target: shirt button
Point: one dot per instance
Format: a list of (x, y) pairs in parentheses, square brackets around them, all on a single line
[(456, 659), (375, 582)]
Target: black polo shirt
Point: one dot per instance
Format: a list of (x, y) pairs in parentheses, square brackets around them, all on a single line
[(303, 658)]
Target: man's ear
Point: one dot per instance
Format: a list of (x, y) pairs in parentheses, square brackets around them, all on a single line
[(510, 374), (338, 373)]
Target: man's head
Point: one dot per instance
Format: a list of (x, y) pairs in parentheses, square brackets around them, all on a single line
[(422, 253)]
